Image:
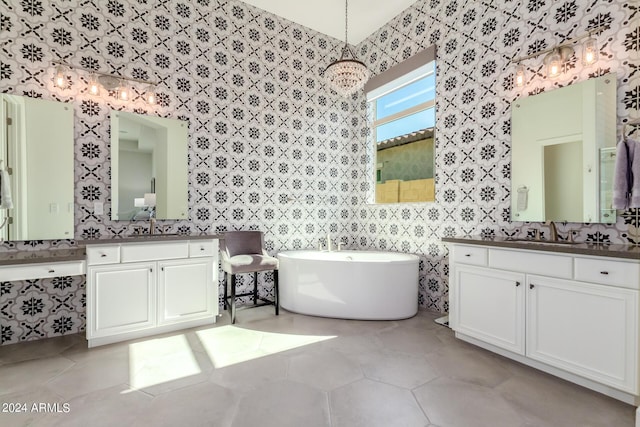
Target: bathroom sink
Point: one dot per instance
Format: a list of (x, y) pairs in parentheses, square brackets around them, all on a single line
[(543, 242)]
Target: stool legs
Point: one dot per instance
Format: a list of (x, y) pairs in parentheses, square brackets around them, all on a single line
[(225, 300), (230, 293), (255, 287), (232, 285), (276, 292)]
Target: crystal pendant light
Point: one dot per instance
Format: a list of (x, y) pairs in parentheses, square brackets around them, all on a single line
[(346, 75)]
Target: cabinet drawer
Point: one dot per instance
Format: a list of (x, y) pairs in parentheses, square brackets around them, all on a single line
[(472, 255), (103, 254), (38, 271), (608, 272), (532, 262), (202, 248), (154, 251)]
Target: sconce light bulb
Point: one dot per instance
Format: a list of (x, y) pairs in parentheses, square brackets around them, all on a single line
[(60, 79), (520, 77), (94, 86), (123, 92), (554, 64), (589, 51), (150, 95)]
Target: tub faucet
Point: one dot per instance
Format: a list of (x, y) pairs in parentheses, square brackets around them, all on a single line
[(329, 242)]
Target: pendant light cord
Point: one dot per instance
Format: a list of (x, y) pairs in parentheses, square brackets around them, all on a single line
[(346, 21)]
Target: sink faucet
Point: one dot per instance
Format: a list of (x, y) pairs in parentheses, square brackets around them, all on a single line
[(329, 242), (152, 225), (553, 231)]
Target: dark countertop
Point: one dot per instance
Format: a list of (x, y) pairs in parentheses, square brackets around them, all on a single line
[(150, 238), (42, 256), (594, 249)]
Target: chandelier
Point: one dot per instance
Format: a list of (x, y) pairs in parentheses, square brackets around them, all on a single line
[(346, 75)]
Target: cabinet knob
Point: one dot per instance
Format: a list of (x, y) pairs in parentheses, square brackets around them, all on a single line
[(103, 255), (201, 248), (52, 271), (467, 254), (151, 269), (531, 286), (604, 272), (517, 284)]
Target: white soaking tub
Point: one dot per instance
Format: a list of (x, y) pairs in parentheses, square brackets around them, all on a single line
[(349, 284)]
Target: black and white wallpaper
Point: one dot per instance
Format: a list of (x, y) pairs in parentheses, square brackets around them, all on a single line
[(475, 43), (271, 148)]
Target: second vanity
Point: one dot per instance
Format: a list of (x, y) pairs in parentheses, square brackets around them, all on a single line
[(569, 310), (142, 286)]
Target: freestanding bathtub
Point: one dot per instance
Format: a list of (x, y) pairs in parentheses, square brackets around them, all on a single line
[(349, 284)]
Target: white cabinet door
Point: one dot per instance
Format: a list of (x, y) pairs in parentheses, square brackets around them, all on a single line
[(590, 330), (121, 298), (186, 290), (489, 306)]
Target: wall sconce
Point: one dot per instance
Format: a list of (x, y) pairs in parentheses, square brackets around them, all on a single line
[(98, 81), (557, 57), (60, 77), (556, 60), (520, 75), (589, 51)]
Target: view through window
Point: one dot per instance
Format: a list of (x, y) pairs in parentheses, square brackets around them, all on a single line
[(403, 112)]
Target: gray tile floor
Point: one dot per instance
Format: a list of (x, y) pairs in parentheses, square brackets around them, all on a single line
[(290, 370)]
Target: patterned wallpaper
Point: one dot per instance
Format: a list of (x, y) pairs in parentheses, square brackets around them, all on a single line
[(475, 42), (270, 147)]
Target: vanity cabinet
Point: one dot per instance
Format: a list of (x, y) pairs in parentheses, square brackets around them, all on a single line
[(490, 306), (184, 293), (575, 316), (140, 289), (587, 329), (121, 298)]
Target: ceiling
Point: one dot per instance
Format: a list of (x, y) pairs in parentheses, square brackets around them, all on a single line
[(327, 16)]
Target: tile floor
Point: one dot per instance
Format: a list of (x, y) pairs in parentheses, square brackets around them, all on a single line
[(290, 370)]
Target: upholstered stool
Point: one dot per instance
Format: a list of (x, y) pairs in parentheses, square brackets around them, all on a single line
[(243, 252)]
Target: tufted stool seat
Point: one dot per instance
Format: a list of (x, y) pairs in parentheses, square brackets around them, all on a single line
[(243, 252)]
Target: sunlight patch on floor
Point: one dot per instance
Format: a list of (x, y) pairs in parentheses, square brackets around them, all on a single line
[(229, 344), (161, 360)]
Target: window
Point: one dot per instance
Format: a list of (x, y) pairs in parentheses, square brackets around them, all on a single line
[(402, 105)]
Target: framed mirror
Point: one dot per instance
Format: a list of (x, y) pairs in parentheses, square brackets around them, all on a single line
[(149, 171), (563, 151), (37, 171)]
